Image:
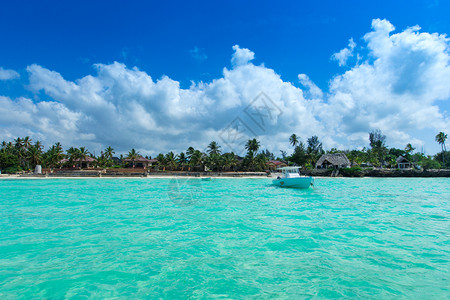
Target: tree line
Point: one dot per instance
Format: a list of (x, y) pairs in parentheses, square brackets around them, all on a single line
[(22, 155)]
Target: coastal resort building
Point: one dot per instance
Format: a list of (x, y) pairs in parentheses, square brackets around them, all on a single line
[(140, 162), (116, 160), (275, 164), (335, 161), (85, 162), (403, 163)]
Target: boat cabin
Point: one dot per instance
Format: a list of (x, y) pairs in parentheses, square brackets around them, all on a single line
[(290, 172)]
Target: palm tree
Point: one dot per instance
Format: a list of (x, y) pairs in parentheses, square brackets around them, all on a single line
[(182, 159), (39, 145), (314, 149), (19, 150), (82, 154), (252, 145), (58, 147), (409, 149), (109, 155), (229, 160), (189, 153), (260, 162), (213, 148), (441, 137), (214, 161), (101, 159), (293, 140), (197, 159), (34, 155), (55, 155), (7, 147), (171, 160), (133, 155), (26, 142), (19, 143), (161, 161), (109, 152), (72, 153)]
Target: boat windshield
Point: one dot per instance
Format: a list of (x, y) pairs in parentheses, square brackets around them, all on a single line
[(291, 171)]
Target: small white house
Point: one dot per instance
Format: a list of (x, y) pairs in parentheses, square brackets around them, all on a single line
[(403, 163)]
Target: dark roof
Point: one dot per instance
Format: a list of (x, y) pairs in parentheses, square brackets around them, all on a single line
[(336, 159), (401, 159), (116, 159)]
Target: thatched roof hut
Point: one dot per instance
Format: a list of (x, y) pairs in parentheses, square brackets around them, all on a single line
[(335, 160)]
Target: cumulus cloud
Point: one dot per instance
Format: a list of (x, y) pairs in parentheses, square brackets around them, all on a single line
[(241, 56), (402, 87), (8, 74), (127, 108), (343, 55), (310, 86), (398, 91), (48, 121)]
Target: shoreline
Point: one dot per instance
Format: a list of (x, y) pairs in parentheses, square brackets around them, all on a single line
[(130, 177), (372, 174), (382, 173), (317, 173)]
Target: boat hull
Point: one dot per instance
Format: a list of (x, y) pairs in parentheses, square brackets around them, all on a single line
[(298, 182)]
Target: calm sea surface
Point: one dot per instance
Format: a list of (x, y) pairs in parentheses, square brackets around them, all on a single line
[(225, 238)]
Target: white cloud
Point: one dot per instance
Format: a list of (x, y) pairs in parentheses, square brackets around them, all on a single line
[(126, 108), (402, 88), (241, 56), (343, 55), (313, 89), (8, 74), (399, 91)]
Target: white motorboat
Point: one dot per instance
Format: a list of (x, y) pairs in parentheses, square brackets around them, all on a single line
[(290, 177)]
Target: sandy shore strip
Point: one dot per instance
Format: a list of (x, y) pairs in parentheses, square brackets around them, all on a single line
[(34, 177)]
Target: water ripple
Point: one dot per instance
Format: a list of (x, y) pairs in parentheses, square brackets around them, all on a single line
[(225, 238)]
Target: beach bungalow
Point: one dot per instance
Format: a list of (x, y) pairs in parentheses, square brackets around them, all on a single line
[(85, 163), (140, 162), (275, 164), (335, 160), (403, 163)]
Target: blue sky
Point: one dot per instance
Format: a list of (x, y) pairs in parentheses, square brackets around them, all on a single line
[(193, 42)]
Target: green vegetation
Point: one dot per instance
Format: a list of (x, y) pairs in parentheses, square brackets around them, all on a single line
[(441, 138), (352, 172), (22, 155)]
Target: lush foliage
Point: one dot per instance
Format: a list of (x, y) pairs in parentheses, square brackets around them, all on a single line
[(23, 155)]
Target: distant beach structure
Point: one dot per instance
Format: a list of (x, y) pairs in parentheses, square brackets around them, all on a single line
[(335, 160), (403, 163)]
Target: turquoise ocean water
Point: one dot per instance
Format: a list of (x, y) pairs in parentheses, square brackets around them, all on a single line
[(225, 238)]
